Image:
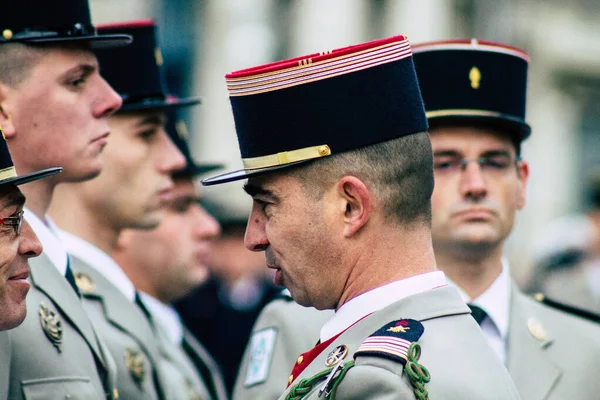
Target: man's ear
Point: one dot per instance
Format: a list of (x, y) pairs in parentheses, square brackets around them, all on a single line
[(523, 171), (356, 204), (5, 121)]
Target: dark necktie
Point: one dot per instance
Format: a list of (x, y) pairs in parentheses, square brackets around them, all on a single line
[(71, 278), (477, 313)]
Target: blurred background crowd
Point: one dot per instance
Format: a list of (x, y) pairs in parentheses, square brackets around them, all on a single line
[(557, 234)]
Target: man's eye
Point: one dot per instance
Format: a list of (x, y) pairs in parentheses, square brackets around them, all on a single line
[(444, 164), (148, 134), (77, 82), (495, 163)]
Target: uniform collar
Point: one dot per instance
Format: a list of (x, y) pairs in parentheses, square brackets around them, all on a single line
[(379, 298), (495, 300), (47, 233), (100, 261), (166, 316)]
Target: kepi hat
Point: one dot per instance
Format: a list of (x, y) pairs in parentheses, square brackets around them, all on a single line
[(137, 72), (298, 110), (39, 21), (474, 80)]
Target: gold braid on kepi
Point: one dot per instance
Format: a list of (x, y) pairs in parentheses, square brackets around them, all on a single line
[(303, 109)]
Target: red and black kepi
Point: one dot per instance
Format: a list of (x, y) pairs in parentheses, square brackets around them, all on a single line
[(137, 72), (8, 173), (474, 81), (322, 104), (42, 21)]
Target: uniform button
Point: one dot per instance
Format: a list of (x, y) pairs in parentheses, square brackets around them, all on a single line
[(291, 379), (300, 359)]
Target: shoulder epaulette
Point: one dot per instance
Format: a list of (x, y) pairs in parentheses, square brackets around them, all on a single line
[(579, 312), (397, 341)]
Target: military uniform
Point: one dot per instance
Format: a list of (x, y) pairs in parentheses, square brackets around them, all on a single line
[(189, 369), (55, 353), (5, 365), (572, 286), (281, 333), (460, 363), (120, 323)]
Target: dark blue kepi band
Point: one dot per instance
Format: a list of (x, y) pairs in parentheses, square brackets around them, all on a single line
[(344, 112)]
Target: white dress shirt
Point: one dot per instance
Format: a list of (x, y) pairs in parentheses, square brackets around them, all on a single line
[(98, 260), (495, 301), (166, 316), (379, 298), (48, 234)]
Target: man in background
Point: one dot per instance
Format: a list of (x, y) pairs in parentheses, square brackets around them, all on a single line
[(131, 192), (169, 261), (54, 110)]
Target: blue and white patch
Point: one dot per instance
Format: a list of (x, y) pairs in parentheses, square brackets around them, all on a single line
[(262, 344)]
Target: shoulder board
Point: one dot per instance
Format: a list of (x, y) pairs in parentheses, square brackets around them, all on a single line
[(579, 312), (392, 341)]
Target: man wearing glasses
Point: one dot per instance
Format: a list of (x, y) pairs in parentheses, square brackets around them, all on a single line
[(476, 113), (18, 243)]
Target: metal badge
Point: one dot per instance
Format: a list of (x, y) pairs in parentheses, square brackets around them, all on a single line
[(134, 362), (51, 325), (475, 77), (84, 282), (336, 355)]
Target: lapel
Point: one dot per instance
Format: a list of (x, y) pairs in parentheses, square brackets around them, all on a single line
[(526, 353), (578, 290), (204, 361), (439, 302), (118, 310), (46, 278)]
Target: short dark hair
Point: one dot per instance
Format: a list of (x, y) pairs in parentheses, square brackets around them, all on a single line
[(398, 171), (17, 60)]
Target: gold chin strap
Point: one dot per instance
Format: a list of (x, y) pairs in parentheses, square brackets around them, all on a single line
[(287, 157), (7, 173), (462, 112)]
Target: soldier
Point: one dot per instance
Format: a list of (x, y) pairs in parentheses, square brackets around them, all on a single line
[(131, 192), (339, 167), (19, 244), (474, 119), (476, 112), (165, 264), (54, 109)]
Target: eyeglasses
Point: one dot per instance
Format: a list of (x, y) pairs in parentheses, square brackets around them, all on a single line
[(489, 165), (15, 222)]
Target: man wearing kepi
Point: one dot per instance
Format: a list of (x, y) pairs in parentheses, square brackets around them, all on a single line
[(165, 264), (339, 167), (131, 192), (476, 112), (18, 244), (54, 109)]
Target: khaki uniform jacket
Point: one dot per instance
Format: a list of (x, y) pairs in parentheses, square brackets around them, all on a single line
[(55, 352), (281, 333), (126, 331), (4, 364), (184, 381), (461, 363), (570, 286), (552, 355)]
